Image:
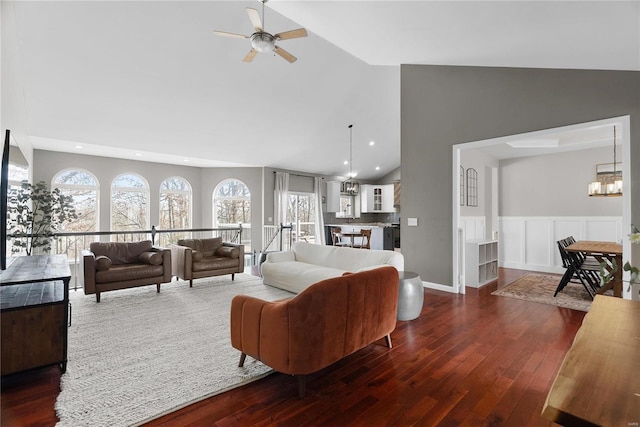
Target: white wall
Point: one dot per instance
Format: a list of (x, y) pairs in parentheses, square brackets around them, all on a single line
[(555, 185)]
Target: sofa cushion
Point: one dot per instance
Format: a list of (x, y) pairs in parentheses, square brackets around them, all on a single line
[(206, 246), (214, 263), (296, 276), (121, 252), (152, 258), (103, 263), (120, 273), (210, 246), (196, 256), (228, 251), (347, 259)]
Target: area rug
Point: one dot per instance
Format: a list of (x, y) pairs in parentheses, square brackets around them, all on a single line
[(538, 287), (139, 354)]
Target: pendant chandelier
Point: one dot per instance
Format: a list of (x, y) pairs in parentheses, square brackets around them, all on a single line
[(350, 186), (610, 184)]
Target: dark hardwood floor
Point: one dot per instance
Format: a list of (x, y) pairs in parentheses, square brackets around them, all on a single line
[(468, 360)]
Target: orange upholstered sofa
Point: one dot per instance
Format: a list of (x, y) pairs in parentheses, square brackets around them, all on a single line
[(324, 323)]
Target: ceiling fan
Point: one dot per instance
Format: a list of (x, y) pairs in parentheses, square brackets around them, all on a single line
[(261, 41)]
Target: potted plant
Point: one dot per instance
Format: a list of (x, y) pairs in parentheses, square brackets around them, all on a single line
[(35, 213)]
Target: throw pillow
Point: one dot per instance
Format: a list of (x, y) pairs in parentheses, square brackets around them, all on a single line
[(103, 263), (152, 258), (228, 251), (196, 256)]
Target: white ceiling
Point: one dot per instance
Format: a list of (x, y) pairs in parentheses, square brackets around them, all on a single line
[(149, 81)]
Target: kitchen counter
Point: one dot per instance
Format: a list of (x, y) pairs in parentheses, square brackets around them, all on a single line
[(381, 233)]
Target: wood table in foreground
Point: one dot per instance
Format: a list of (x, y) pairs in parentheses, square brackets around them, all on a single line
[(598, 383), (603, 252)]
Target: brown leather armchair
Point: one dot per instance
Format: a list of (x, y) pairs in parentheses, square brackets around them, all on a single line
[(324, 323), (197, 258), (108, 266)]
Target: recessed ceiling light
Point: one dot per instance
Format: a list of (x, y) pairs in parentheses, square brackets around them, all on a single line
[(139, 154), (346, 162), (186, 160), (353, 174), (372, 143), (377, 168), (78, 146)]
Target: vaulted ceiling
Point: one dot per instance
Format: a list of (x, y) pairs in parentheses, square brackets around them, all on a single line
[(150, 81)]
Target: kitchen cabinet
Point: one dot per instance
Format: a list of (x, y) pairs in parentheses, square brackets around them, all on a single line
[(480, 262), (333, 196), (343, 205), (376, 198)]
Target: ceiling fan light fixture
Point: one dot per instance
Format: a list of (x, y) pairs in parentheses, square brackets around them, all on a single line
[(263, 42)]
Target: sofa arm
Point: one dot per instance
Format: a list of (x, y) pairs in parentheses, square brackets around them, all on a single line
[(88, 273), (281, 256), (181, 261), (167, 267), (240, 249), (260, 329)]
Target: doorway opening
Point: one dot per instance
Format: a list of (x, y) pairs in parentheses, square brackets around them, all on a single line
[(490, 160)]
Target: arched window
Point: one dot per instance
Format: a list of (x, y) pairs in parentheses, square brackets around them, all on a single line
[(175, 205), (83, 187), (232, 207), (129, 203)]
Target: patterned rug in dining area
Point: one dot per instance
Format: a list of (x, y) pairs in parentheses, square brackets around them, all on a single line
[(540, 287)]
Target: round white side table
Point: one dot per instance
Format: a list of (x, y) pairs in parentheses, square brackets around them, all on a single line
[(410, 295)]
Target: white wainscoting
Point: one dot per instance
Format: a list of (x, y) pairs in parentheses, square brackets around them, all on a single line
[(529, 243), (473, 227)]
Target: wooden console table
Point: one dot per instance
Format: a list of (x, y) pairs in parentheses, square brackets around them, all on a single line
[(34, 310), (599, 381)]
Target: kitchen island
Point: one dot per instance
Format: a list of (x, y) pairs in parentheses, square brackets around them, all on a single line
[(382, 234)]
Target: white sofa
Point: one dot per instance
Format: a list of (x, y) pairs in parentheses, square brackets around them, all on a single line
[(307, 264)]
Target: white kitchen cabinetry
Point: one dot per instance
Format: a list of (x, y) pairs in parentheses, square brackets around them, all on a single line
[(376, 198), (480, 262), (344, 206), (333, 196)]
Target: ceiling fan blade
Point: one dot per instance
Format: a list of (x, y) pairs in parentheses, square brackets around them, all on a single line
[(250, 55), (293, 34), (255, 18), (286, 55), (225, 34)]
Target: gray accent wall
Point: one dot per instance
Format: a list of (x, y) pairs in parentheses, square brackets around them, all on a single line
[(443, 105)]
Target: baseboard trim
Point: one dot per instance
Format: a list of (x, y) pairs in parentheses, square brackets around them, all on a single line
[(438, 287)]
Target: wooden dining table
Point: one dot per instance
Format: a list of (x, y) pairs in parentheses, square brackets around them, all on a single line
[(351, 235), (607, 252)]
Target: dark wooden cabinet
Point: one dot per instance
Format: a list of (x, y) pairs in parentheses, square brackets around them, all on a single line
[(34, 314)]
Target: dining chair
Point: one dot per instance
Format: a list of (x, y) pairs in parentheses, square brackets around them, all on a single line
[(576, 269), (365, 242), (336, 237)]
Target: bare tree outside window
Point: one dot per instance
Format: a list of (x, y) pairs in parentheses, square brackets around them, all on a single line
[(301, 213), (232, 207), (175, 207), (83, 188), (129, 203)]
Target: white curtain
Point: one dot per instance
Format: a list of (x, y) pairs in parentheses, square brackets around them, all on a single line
[(319, 230), (280, 198)]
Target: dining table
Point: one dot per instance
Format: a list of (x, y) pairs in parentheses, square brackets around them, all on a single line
[(351, 235), (607, 252)]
